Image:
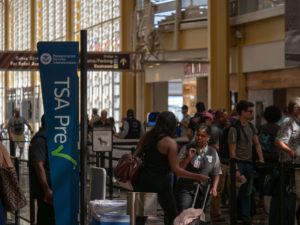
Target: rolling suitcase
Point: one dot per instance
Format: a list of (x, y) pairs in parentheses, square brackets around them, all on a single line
[(185, 219), (198, 220)]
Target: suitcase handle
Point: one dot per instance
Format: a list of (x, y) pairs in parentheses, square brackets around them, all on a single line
[(206, 194)]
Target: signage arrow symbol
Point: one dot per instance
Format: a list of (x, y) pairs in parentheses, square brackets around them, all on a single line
[(57, 152), (123, 61)]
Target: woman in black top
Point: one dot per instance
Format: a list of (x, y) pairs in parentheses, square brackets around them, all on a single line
[(160, 154)]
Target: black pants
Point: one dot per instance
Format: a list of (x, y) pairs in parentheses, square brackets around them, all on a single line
[(45, 214), (161, 185)]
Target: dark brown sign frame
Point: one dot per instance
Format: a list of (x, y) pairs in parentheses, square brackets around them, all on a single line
[(96, 61)]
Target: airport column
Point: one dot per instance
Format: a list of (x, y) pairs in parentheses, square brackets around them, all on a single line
[(32, 38), (6, 44), (128, 89), (218, 54), (70, 20), (242, 83), (32, 84)]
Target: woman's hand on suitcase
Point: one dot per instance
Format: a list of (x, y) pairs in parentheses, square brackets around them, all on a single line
[(202, 178)]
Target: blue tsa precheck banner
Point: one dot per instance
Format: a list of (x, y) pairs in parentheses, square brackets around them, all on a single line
[(60, 88)]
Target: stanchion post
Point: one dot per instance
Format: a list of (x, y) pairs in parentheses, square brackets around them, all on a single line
[(102, 159), (84, 126), (132, 211), (111, 186), (17, 167), (32, 208), (233, 204), (281, 192), (97, 159)]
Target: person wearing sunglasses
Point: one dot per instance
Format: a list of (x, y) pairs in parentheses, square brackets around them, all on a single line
[(241, 138)]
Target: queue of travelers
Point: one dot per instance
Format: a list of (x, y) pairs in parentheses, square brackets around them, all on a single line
[(131, 128), (214, 138)]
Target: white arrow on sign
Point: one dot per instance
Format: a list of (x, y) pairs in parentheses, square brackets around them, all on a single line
[(123, 61)]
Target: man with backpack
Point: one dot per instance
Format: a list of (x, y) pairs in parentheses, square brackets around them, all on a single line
[(241, 138), (39, 173), (15, 129), (132, 128)]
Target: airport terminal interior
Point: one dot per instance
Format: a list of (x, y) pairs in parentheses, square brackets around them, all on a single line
[(167, 54)]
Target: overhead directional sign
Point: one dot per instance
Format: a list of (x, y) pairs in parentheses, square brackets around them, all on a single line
[(98, 61), (108, 61), (19, 61)]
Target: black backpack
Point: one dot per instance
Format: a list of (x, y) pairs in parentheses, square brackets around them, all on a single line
[(223, 141), (267, 143), (134, 128)]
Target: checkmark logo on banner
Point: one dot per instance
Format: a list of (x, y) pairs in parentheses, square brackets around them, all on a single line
[(57, 152)]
